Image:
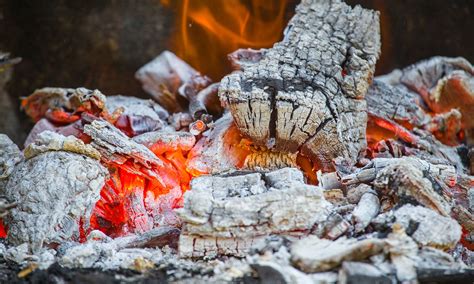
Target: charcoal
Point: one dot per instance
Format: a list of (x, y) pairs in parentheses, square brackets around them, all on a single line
[(116, 147), (271, 272), (53, 190), (313, 254), (405, 178), (307, 91), (216, 152), (354, 193), (431, 228), (136, 116), (360, 272), (367, 209), (329, 180), (191, 90), (445, 173), (334, 227), (225, 215), (395, 104), (163, 76), (241, 58), (163, 141), (403, 252), (63, 105), (335, 196), (206, 102)]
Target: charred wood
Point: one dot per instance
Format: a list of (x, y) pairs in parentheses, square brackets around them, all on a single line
[(306, 93)]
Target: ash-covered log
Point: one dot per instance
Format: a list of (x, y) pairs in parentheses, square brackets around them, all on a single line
[(55, 189), (226, 215), (307, 92)]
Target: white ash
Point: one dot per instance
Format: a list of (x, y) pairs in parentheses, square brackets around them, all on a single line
[(432, 229), (53, 191)]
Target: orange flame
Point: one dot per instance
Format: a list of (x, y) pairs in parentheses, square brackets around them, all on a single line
[(208, 30)]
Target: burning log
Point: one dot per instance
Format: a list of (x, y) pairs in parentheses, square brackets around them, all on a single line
[(306, 93), (225, 215), (425, 226), (55, 188)]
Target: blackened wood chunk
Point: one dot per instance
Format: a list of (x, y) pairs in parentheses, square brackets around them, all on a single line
[(307, 92)]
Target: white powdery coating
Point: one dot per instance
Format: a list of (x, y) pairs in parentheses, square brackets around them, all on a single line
[(433, 229), (53, 191)]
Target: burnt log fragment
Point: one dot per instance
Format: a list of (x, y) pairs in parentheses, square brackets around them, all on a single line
[(307, 92), (225, 215), (54, 188)]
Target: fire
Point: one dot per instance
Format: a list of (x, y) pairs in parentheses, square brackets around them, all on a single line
[(208, 30)]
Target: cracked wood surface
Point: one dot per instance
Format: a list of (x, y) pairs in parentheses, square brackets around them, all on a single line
[(307, 92), (226, 215)]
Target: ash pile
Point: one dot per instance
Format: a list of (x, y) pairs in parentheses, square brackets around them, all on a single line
[(298, 167)]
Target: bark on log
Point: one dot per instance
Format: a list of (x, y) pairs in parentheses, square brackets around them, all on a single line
[(306, 93)]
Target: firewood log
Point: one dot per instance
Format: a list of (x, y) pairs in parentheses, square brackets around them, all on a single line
[(307, 92)]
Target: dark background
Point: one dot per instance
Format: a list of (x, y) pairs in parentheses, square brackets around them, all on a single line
[(100, 44)]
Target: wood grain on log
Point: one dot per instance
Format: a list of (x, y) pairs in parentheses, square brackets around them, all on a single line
[(306, 93)]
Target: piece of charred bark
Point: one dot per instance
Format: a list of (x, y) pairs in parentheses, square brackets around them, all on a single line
[(180, 120), (367, 209), (329, 180), (54, 190), (135, 116), (408, 179), (225, 215), (425, 226), (63, 106), (313, 254), (307, 92), (163, 76)]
